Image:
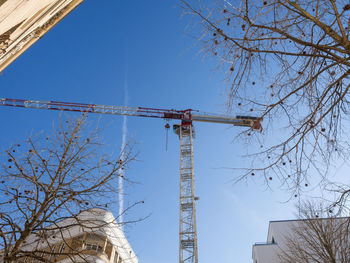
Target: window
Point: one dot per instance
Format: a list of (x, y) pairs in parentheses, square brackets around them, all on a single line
[(94, 247), (94, 242), (99, 249)]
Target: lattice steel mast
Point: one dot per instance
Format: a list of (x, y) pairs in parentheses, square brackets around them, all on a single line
[(188, 248), (188, 251)]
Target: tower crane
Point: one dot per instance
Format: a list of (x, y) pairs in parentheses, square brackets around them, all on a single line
[(188, 249)]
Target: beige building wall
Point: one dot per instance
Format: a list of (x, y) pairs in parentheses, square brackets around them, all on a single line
[(23, 22)]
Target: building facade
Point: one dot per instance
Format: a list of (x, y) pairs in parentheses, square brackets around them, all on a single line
[(315, 240), (22, 23), (91, 236), (267, 252)]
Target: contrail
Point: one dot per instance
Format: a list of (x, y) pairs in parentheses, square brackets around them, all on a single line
[(122, 154)]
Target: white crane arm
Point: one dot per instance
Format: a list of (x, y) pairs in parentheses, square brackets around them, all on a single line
[(186, 116)]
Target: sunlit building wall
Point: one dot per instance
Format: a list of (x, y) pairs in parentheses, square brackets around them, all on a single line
[(93, 236), (22, 23)]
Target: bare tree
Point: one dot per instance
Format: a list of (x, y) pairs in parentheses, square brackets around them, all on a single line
[(287, 62), (316, 239), (48, 179)]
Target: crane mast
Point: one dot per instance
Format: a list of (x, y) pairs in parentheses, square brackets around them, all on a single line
[(188, 248)]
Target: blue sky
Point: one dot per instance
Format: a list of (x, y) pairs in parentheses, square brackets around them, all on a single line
[(85, 59)]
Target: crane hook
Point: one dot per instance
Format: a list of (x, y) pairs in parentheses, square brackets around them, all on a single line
[(166, 126)]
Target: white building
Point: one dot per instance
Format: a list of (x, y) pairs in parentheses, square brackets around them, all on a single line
[(267, 252), (301, 239), (92, 236)]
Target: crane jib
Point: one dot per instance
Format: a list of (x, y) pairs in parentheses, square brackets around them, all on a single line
[(186, 116)]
